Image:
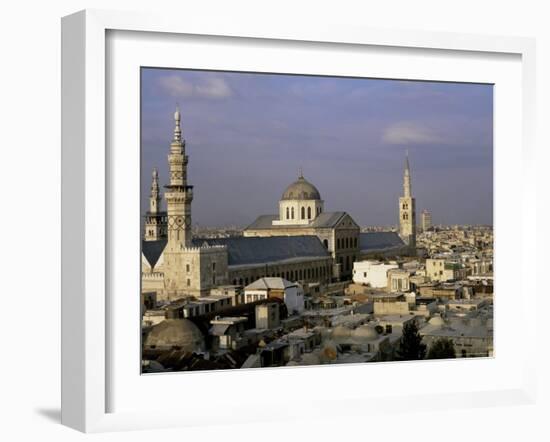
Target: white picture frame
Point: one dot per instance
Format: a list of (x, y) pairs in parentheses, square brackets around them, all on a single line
[(87, 320)]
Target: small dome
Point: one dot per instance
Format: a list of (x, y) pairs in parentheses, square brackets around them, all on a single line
[(365, 332), (310, 359), (437, 320), (181, 333), (340, 332), (301, 190)]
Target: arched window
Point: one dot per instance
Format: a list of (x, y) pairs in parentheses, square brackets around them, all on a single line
[(337, 243), (292, 212), (325, 243), (287, 213), (405, 216), (309, 213), (303, 213)]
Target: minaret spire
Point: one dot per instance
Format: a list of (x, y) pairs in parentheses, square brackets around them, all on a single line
[(154, 200), (177, 128), (178, 194), (407, 210), (407, 177)]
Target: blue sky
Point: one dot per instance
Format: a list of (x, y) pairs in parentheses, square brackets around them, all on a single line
[(248, 134)]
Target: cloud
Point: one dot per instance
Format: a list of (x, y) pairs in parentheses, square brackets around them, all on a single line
[(212, 87), (405, 132)]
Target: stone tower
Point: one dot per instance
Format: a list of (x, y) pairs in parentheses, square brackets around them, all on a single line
[(407, 210), (155, 219), (190, 268), (178, 194)]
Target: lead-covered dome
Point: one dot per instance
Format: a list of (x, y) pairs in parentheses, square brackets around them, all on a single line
[(301, 189), (175, 333)]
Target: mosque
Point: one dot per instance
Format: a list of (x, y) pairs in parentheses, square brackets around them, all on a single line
[(302, 242)]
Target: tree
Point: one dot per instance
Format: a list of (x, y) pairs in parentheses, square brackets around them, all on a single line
[(442, 348), (410, 345)]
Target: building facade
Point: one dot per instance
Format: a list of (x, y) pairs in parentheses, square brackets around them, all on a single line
[(426, 220)]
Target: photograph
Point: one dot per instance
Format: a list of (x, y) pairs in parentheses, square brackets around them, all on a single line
[(304, 220)]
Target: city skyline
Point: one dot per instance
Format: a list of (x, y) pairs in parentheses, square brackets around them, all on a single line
[(248, 135)]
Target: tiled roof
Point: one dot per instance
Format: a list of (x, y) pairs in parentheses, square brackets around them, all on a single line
[(373, 241), (262, 250), (324, 219)]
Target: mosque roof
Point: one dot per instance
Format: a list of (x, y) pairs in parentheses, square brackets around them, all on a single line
[(373, 241), (301, 189), (244, 250), (152, 250), (323, 220)]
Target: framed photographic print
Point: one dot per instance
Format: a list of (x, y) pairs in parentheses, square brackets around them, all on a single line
[(322, 215)]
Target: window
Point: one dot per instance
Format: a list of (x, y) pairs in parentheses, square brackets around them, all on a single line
[(287, 213), (188, 282), (338, 243), (214, 266), (388, 326), (213, 279), (187, 268), (325, 243), (309, 213), (365, 273), (303, 213), (292, 212)]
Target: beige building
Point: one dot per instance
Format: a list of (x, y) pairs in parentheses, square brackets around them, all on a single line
[(426, 220)]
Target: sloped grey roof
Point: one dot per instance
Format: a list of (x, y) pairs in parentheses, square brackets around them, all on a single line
[(262, 250), (327, 219), (270, 283), (324, 219), (152, 250), (372, 241)]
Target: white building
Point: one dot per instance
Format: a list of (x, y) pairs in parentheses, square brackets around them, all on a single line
[(372, 273), (289, 292)]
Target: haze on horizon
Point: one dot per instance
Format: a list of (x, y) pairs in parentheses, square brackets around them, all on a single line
[(247, 135)]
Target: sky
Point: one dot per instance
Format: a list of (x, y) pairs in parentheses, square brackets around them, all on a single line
[(247, 136)]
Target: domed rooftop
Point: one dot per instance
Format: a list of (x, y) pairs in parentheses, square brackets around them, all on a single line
[(437, 321), (181, 333), (365, 332), (301, 190)]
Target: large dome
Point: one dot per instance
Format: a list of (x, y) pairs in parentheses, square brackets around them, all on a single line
[(301, 190), (179, 333)]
